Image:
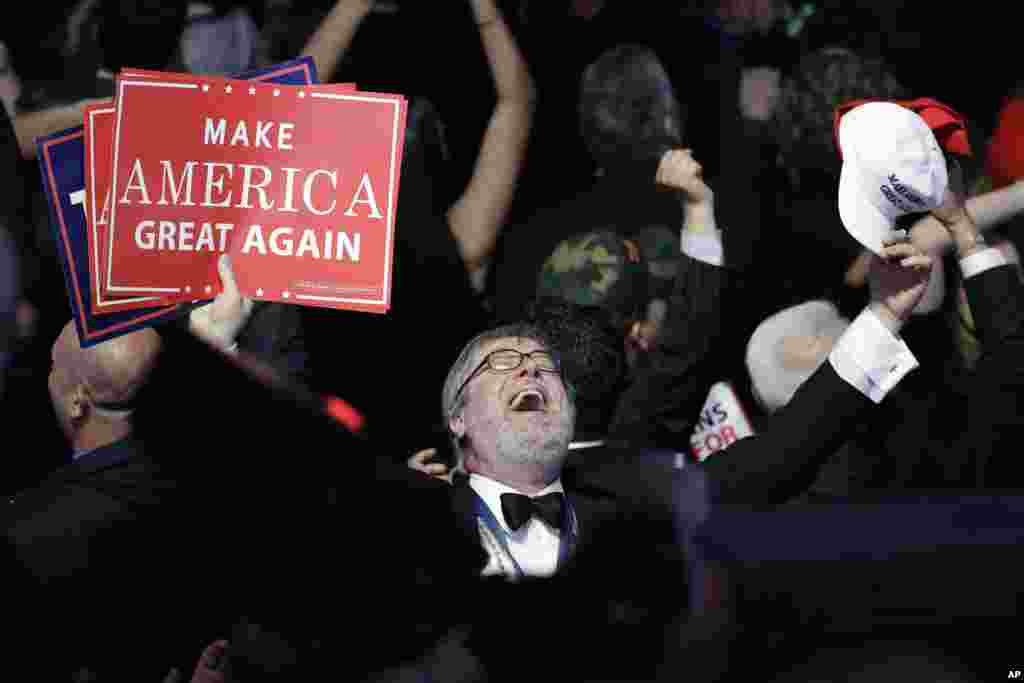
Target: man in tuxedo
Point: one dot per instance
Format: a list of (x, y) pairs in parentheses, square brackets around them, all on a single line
[(511, 414), (511, 417)]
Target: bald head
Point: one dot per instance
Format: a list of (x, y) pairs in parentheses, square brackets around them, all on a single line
[(83, 380), (112, 371)]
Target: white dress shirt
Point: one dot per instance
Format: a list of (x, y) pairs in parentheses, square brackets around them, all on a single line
[(534, 547), (870, 357), (980, 261)]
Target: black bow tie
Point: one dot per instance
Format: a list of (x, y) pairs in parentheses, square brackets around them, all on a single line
[(518, 509)]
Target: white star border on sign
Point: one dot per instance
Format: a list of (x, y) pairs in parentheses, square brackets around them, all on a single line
[(252, 90), (227, 89)]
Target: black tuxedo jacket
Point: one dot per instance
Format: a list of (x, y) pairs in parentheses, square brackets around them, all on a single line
[(627, 578), (965, 434), (765, 469), (986, 454)]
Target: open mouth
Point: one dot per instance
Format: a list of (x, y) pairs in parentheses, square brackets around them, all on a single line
[(528, 400)]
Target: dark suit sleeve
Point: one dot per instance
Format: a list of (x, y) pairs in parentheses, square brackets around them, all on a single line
[(996, 297), (987, 453), (780, 463), (276, 334), (660, 406)]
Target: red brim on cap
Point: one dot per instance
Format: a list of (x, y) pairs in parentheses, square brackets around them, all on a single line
[(948, 126)]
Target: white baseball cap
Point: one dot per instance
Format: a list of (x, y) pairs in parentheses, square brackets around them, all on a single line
[(773, 379), (892, 166)]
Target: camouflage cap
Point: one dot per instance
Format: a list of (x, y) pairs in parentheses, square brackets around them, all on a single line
[(661, 251), (597, 268)]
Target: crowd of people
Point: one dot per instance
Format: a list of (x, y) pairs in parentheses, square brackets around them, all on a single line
[(608, 212)]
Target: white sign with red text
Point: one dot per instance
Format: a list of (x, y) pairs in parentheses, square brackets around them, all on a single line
[(722, 422)]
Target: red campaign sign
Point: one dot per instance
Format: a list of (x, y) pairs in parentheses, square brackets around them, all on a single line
[(98, 125), (298, 183), (99, 139)]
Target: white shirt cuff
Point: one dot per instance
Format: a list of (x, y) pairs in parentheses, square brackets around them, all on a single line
[(870, 357), (979, 262), (705, 246)]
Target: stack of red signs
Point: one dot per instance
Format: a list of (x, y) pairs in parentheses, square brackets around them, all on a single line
[(298, 183)]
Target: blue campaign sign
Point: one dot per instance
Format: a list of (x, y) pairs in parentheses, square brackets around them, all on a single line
[(62, 165), (300, 71), (61, 162)]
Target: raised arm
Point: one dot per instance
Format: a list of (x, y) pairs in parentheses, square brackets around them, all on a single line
[(36, 124), (660, 406), (987, 211), (996, 298), (334, 36), (863, 366), (476, 218), (987, 452)]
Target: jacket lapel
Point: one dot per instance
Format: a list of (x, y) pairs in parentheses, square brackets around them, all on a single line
[(464, 506)]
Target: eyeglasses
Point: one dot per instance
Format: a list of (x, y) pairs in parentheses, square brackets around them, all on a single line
[(507, 360)]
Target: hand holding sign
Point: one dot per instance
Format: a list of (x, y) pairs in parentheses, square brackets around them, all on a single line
[(219, 322), (80, 180)]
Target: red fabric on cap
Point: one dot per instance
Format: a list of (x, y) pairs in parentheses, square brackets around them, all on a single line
[(948, 126), (1006, 149)]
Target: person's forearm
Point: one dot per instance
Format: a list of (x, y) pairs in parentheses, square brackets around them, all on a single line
[(963, 232), (992, 208), (700, 218), (28, 127), (988, 210), (700, 238), (333, 37), (512, 80), (477, 217)]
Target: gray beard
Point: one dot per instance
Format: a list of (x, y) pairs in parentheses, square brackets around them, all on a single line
[(537, 446)]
